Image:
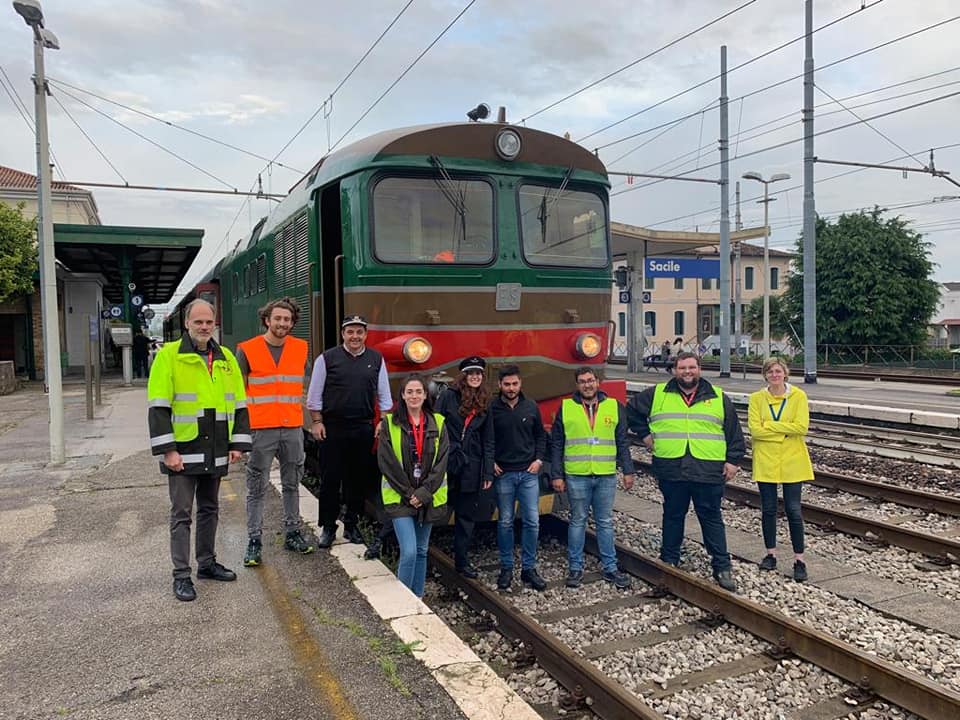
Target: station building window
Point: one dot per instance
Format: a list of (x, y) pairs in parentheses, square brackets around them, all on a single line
[(774, 278), (678, 283), (622, 324), (678, 323), (650, 320), (748, 277), (648, 283)]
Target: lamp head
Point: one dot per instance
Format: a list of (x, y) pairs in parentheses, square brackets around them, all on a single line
[(780, 176), (752, 176), (48, 39), (30, 11), (478, 113)]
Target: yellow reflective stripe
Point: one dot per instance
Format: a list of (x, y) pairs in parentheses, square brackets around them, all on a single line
[(687, 436), (686, 416), (588, 441), (185, 397), (162, 439), (240, 404), (191, 419), (159, 402), (229, 396)]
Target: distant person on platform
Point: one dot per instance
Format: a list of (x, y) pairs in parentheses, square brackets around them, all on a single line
[(348, 383), (588, 441), (274, 365), (198, 426), (693, 432), (141, 353), (519, 448), (779, 417), (465, 408)]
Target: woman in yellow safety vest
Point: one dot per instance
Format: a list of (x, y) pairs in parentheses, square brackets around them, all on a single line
[(412, 454), (779, 418)]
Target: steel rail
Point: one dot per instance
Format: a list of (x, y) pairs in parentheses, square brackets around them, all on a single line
[(610, 700), (885, 492), (943, 549), (902, 687)]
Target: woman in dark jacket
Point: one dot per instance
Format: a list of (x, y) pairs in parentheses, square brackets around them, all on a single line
[(470, 467), (412, 454)]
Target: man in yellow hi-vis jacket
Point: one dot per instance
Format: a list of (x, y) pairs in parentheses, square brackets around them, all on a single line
[(198, 426)]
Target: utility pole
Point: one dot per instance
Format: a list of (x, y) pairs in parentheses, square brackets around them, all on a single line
[(809, 211), (737, 310), (724, 220)]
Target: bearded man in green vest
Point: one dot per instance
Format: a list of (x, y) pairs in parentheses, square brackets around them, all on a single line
[(588, 441), (694, 433)]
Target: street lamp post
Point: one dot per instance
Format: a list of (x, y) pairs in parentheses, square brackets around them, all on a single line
[(766, 249), (32, 14)]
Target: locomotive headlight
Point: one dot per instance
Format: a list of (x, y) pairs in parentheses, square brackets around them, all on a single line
[(588, 346), (508, 144), (417, 350)]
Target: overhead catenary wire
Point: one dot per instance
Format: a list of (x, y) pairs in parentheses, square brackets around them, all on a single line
[(638, 60), (729, 71), (329, 99), (404, 73), (89, 139), (24, 113), (145, 138), (169, 123)]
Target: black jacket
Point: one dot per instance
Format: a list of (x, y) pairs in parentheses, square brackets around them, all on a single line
[(474, 447), (519, 437), (558, 439), (689, 468)]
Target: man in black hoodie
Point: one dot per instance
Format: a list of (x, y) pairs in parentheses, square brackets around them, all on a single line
[(520, 445), (694, 433)]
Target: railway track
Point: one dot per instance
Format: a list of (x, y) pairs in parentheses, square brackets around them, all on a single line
[(777, 640)]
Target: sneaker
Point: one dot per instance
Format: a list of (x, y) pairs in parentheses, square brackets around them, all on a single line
[(252, 557), (505, 579), (216, 571), (619, 579), (769, 562), (532, 578), (183, 589), (296, 543), (468, 571), (574, 578), (799, 571), (327, 536), (373, 550), (725, 579)]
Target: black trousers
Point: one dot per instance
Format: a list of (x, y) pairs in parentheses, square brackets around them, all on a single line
[(466, 508), (349, 469), (183, 489)]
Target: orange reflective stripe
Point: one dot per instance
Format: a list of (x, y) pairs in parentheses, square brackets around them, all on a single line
[(275, 390)]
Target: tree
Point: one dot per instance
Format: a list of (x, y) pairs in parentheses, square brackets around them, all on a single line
[(873, 282), (753, 318), (18, 251)]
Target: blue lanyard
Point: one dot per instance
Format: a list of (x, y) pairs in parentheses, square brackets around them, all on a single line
[(778, 413)]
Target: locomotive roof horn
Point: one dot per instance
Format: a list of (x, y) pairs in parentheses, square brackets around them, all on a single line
[(479, 113)]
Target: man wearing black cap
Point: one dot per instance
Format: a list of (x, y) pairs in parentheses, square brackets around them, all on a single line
[(464, 407), (346, 382)]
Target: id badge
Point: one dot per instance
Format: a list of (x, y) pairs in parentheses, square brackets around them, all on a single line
[(594, 441), (417, 471)]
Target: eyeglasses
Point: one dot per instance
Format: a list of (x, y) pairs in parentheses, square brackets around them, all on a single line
[(591, 381)]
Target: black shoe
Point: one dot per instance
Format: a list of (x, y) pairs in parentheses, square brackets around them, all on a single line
[(799, 571), (183, 589), (505, 579), (469, 571), (725, 579), (769, 562), (327, 536), (574, 578), (532, 578), (619, 579), (353, 534), (296, 543), (252, 557), (373, 551), (216, 571)]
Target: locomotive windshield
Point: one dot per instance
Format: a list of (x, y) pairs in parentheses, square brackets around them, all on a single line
[(563, 227), (426, 220)]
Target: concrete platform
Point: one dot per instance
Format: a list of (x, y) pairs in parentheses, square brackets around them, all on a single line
[(91, 629)]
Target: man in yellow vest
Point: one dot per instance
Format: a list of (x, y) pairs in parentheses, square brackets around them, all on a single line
[(273, 366), (589, 440), (198, 426), (694, 433)]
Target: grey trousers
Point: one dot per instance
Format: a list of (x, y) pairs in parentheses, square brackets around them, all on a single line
[(183, 488), (285, 444)]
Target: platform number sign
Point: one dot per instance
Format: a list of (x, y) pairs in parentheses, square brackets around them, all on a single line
[(116, 311), (625, 296), (136, 300), (646, 298)]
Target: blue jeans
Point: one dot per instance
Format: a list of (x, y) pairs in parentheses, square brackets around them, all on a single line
[(791, 506), (518, 485), (413, 538), (706, 501), (585, 491)]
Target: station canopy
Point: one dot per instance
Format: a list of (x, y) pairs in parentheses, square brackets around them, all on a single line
[(154, 259), (625, 239)]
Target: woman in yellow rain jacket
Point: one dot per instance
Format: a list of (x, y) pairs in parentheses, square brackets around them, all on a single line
[(779, 418)]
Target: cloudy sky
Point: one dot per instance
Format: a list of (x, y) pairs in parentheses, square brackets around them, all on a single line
[(250, 74)]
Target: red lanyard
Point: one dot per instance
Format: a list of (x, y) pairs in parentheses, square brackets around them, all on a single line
[(466, 423), (210, 361), (590, 410), (418, 432), (688, 399)]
